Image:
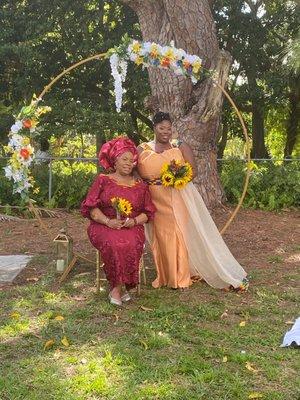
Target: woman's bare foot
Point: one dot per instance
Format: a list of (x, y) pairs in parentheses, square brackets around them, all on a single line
[(115, 293)]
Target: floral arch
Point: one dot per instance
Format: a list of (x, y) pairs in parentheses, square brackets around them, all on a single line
[(145, 54)]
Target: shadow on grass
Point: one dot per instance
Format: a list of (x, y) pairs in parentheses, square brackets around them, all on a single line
[(178, 346)]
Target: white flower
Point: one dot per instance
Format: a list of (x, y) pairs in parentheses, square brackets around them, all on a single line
[(16, 127), (180, 54), (146, 48), (118, 71), (23, 186), (133, 57), (8, 172), (123, 69), (26, 162), (15, 141), (192, 58), (164, 49), (18, 176)]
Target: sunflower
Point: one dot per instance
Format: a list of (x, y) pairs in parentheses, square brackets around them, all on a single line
[(164, 168), (180, 183), (122, 206), (167, 179), (189, 172), (125, 206)]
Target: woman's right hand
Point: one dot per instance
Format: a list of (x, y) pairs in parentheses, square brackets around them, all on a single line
[(115, 224)]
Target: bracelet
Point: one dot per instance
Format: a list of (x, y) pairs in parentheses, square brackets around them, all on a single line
[(106, 221), (135, 221)]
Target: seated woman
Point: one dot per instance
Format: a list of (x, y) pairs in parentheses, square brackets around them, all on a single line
[(118, 205)]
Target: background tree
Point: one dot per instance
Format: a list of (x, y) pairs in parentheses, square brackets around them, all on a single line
[(195, 109), (292, 60), (40, 39), (256, 33)]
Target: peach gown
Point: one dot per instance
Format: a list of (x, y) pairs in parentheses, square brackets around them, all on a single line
[(184, 238), (167, 243)]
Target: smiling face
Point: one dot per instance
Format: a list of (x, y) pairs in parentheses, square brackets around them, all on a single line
[(125, 163), (163, 131)]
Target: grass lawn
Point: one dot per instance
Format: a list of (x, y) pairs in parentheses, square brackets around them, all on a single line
[(201, 344)]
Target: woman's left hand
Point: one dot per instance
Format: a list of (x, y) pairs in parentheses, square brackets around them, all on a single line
[(128, 223)]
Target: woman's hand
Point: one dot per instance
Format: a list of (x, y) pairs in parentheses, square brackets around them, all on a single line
[(189, 157), (115, 224), (128, 223)]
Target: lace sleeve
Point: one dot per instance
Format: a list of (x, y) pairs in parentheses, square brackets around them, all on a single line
[(92, 199)]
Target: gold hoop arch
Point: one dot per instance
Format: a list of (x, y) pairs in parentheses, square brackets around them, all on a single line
[(226, 94)]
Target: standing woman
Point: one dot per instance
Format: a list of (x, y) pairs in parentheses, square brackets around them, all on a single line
[(184, 239), (118, 205)]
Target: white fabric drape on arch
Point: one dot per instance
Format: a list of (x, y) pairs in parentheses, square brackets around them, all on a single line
[(209, 256)]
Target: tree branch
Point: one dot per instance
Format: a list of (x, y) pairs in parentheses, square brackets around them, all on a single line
[(254, 6), (137, 114)]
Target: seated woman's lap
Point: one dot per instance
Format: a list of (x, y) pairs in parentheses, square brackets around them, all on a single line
[(120, 250)]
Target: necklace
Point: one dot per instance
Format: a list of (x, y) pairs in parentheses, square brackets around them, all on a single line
[(128, 181), (160, 148)]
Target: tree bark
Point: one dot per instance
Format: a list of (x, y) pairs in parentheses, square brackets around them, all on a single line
[(293, 121), (195, 109), (223, 141), (258, 132), (258, 127)]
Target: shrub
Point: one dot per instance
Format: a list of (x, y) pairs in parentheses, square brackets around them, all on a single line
[(271, 187)]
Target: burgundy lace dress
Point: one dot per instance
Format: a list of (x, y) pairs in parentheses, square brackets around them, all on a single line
[(121, 249)]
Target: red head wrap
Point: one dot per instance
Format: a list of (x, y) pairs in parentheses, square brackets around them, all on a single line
[(111, 150)]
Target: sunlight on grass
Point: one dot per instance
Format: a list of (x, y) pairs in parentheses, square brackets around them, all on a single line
[(14, 329), (165, 345)]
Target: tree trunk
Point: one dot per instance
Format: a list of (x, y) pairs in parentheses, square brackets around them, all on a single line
[(224, 136), (293, 121), (195, 109), (258, 127), (100, 140), (258, 132)]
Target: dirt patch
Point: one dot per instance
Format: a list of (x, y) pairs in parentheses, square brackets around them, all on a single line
[(258, 239)]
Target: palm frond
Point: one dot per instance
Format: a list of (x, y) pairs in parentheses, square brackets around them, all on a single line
[(4, 217)]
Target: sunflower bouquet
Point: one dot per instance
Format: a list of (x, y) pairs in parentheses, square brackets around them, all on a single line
[(122, 206), (176, 174)]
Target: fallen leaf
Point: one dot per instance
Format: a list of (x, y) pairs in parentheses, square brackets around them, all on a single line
[(79, 298), (250, 367), (65, 341), (225, 359), (117, 317), (59, 318), (146, 308), (255, 395), (224, 315), (144, 344), (290, 322), (49, 344), (242, 323), (15, 315), (56, 354), (32, 279)]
